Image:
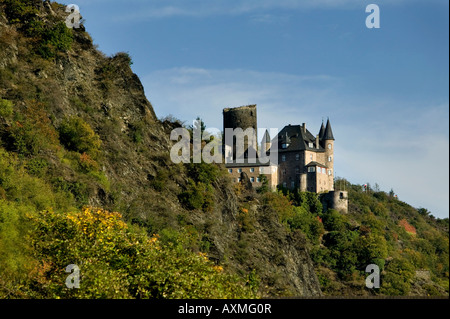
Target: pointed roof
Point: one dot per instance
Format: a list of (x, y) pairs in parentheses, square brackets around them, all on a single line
[(266, 137), (328, 134), (322, 131)]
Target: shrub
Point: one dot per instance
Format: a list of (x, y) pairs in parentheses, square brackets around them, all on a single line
[(334, 221), (56, 39), (77, 135), (37, 167), (21, 11), (32, 131), (6, 108), (87, 164), (198, 196)]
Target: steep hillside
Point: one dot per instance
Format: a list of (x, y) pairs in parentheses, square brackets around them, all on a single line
[(76, 129)]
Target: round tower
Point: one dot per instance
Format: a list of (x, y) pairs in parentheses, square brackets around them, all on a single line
[(328, 143), (243, 117)]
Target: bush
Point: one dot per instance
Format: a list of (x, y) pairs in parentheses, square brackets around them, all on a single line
[(334, 221), (6, 108), (37, 167), (56, 39), (159, 182), (398, 277), (31, 131), (22, 188), (77, 135), (309, 224), (21, 11), (198, 196), (115, 260)]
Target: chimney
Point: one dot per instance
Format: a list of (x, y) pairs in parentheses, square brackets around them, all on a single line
[(304, 128), (317, 142)]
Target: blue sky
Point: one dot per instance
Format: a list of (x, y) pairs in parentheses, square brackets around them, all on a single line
[(385, 90)]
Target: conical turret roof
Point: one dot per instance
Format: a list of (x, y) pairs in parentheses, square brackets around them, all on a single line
[(328, 134)]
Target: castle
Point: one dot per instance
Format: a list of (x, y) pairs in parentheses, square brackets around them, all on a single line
[(302, 161)]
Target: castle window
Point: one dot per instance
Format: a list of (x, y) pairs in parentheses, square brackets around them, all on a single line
[(240, 170), (252, 170), (311, 169), (311, 145), (284, 184), (239, 180), (283, 158), (330, 172), (230, 170), (341, 195), (258, 179), (329, 146), (311, 157), (297, 170), (292, 184), (283, 146), (297, 157), (330, 158), (252, 179)]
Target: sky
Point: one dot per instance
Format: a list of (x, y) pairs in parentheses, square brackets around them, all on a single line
[(385, 90)]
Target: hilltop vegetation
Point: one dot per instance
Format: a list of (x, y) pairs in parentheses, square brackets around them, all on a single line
[(86, 179), (410, 246)]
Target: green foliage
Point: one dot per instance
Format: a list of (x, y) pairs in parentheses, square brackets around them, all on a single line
[(334, 221), (77, 135), (22, 188), (199, 192), (31, 131), (21, 11), (198, 196), (398, 277), (50, 37), (37, 167), (203, 173), (159, 182), (15, 262), (6, 108), (56, 39), (78, 189), (264, 188), (124, 57), (116, 261)]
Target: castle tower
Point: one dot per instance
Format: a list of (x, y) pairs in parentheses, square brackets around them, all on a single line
[(266, 142), (243, 117), (321, 132), (328, 144)]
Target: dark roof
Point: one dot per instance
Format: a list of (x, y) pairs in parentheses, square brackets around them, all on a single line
[(322, 131), (328, 134), (297, 139), (247, 164), (315, 164)]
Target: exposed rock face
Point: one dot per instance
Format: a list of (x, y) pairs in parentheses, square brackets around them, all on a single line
[(105, 93)]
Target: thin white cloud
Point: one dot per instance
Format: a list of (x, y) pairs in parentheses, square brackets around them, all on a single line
[(139, 9)]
